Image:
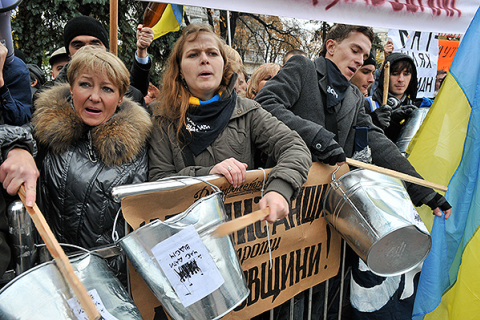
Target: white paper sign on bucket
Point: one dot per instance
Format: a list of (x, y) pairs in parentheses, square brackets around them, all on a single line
[(188, 266)]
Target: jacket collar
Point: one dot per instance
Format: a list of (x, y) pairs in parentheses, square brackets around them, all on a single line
[(117, 141)]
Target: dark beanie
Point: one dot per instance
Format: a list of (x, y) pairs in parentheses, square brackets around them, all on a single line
[(37, 73), (371, 59), (84, 26)]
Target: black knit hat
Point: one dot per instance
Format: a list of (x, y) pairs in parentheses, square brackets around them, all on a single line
[(84, 26), (371, 59)]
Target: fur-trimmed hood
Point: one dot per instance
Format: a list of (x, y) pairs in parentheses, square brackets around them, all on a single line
[(117, 141)]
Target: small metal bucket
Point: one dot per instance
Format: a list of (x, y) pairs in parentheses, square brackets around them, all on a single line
[(376, 217), (42, 293), (188, 287), (410, 128)]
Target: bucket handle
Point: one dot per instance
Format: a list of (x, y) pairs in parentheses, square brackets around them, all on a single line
[(215, 189)]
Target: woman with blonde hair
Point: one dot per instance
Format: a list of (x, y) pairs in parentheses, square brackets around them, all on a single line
[(202, 127), (91, 138), (261, 75)]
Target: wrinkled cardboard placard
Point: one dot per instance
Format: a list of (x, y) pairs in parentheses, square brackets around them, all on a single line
[(305, 249)]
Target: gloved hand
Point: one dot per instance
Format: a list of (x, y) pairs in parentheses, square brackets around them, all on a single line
[(332, 154), (381, 116), (440, 202), (402, 113)]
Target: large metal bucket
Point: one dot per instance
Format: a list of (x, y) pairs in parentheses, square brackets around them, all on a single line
[(42, 292), (376, 217), (410, 128), (193, 274)]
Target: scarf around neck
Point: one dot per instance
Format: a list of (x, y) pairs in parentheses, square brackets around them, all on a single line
[(337, 85), (205, 120)]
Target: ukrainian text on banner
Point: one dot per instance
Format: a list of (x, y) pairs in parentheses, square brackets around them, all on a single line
[(423, 48), (446, 53), (305, 250), (436, 16)]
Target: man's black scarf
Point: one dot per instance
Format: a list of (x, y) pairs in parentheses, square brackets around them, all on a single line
[(337, 85)]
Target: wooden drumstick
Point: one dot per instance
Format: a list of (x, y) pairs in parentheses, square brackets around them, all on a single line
[(239, 223), (386, 82), (396, 174), (61, 258)]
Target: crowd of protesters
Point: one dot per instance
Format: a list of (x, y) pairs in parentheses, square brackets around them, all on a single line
[(97, 125)]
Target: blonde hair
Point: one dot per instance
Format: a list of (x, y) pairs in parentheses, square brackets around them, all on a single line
[(174, 96), (267, 69), (92, 59)]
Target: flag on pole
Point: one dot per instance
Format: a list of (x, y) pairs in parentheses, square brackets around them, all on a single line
[(170, 21), (447, 150)]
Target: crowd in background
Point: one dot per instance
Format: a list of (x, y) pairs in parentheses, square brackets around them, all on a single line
[(97, 125)]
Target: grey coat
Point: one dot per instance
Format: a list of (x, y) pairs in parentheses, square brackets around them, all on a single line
[(249, 127), (296, 96)]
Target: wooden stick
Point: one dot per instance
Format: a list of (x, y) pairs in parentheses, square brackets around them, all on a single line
[(239, 223), (114, 26), (61, 258), (386, 82), (396, 174)]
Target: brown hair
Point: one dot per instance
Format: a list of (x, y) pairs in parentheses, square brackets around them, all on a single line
[(340, 32), (94, 59), (258, 75), (173, 97)]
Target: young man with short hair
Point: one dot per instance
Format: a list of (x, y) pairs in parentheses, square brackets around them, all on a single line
[(364, 77)]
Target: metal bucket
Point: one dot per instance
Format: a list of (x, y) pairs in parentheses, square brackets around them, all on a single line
[(193, 274), (42, 293), (376, 217), (21, 235), (410, 128)]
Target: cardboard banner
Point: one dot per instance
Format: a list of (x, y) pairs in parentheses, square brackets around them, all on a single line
[(305, 249), (423, 48), (437, 16), (446, 52)]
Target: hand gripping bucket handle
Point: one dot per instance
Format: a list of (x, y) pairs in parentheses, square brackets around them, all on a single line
[(194, 275), (375, 216)]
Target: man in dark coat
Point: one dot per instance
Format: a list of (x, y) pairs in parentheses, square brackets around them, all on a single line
[(316, 99)]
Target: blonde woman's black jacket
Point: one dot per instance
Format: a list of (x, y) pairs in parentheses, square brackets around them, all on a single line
[(78, 172)]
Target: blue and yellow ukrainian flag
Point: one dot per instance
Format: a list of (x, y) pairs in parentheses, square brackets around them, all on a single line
[(170, 21), (446, 150)]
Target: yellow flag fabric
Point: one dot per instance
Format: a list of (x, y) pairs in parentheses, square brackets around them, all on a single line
[(436, 149), (170, 21), (447, 151)]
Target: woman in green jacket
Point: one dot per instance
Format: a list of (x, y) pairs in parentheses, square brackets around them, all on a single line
[(202, 127)]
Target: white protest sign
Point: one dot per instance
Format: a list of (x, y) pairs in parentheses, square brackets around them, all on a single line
[(188, 266), (423, 48)]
